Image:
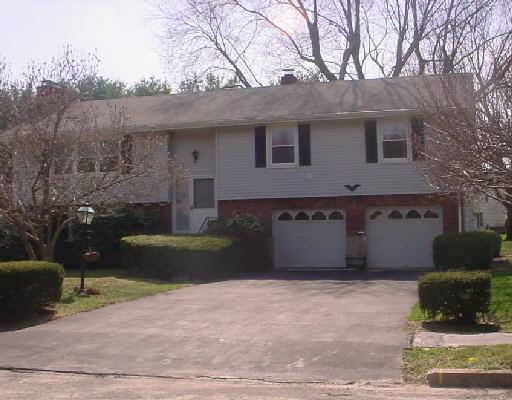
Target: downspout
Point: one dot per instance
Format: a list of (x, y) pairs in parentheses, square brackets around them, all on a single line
[(460, 209)]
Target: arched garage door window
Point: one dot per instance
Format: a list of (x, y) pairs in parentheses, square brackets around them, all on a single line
[(395, 214), (286, 216), (319, 216)]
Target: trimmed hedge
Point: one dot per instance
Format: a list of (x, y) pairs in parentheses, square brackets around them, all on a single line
[(469, 250), (455, 295), (172, 256), (495, 237), (28, 285)]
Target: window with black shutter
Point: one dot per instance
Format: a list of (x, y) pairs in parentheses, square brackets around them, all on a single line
[(304, 144), (372, 155), (260, 146)]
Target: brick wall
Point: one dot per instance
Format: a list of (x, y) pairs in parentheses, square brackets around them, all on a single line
[(354, 206)]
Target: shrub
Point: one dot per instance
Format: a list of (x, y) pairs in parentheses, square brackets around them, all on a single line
[(240, 226), (255, 243), (470, 250), (171, 256), (27, 285), (105, 234), (495, 237), (11, 247), (455, 295)]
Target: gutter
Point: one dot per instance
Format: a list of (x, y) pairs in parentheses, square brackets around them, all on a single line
[(263, 121)]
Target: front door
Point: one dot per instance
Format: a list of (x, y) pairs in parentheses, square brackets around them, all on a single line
[(194, 202)]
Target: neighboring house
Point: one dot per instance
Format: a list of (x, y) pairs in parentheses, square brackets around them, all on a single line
[(328, 166), (483, 212)]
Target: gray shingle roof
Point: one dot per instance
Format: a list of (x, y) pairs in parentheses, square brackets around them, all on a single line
[(295, 102)]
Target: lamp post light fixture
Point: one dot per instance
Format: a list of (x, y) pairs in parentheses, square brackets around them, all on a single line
[(195, 155), (85, 215)]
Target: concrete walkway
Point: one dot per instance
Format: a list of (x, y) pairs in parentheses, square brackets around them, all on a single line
[(277, 327), (436, 339)]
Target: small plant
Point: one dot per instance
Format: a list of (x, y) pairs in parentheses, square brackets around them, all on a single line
[(460, 296)]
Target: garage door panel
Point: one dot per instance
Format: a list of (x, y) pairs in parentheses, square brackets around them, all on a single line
[(402, 242), (309, 243)]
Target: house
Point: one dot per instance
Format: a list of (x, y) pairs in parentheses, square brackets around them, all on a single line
[(334, 169), (483, 212)]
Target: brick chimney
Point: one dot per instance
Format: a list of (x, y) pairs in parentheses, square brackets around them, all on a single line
[(288, 78)]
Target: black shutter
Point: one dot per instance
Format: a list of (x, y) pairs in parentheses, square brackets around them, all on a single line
[(126, 154), (418, 138), (304, 144), (371, 141), (260, 146)]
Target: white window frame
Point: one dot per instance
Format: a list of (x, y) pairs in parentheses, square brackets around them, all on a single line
[(295, 128), (380, 137)]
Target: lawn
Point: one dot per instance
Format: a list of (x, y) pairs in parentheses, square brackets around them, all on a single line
[(506, 248), (114, 286), (418, 361)]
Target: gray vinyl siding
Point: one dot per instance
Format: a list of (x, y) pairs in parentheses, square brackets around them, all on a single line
[(337, 159), (184, 143)]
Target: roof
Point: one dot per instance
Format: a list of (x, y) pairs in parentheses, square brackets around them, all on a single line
[(294, 102)]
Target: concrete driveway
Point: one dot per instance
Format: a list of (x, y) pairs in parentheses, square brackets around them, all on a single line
[(281, 327)]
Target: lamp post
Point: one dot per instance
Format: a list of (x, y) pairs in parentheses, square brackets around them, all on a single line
[(85, 215)]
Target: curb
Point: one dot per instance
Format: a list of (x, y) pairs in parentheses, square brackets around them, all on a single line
[(470, 378)]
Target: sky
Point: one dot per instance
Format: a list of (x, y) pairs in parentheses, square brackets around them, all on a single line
[(121, 33)]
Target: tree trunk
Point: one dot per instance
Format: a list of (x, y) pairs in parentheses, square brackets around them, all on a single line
[(508, 222), (25, 240)]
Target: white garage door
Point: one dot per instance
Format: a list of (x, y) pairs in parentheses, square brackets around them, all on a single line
[(306, 239), (402, 237)]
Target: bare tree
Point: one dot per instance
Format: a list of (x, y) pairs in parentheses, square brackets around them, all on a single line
[(210, 36), (341, 39), (469, 139), (58, 153)]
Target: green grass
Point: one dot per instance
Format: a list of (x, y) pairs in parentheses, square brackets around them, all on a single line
[(114, 286), (501, 299), (418, 361), (501, 302), (506, 248)]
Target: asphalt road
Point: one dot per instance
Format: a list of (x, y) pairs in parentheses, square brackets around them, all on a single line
[(52, 386)]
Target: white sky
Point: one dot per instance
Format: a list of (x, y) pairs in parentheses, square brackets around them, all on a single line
[(121, 33)]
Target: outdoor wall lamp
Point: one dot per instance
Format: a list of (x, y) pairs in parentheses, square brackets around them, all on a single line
[(195, 155)]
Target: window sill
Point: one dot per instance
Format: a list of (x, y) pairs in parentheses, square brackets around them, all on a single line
[(394, 160), (283, 166)]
